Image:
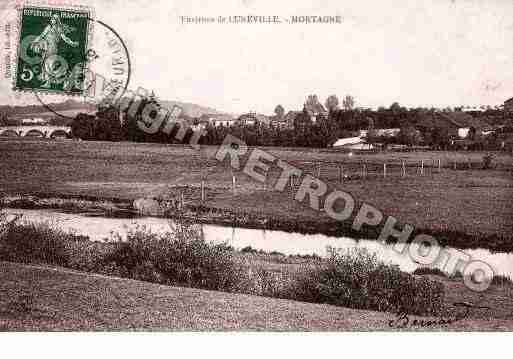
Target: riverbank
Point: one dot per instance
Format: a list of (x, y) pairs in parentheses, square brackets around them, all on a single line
[(351, 280), (200, 213), (464, 208), (44, 298), (96, 227), (181, 256)]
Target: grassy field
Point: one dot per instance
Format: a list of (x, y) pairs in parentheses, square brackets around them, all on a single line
[(50, 298), (468, 200)]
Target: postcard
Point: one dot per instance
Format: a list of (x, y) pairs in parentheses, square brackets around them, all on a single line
[(254, 165)]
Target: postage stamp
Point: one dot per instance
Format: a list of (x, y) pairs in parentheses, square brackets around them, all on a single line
[(52, 49)]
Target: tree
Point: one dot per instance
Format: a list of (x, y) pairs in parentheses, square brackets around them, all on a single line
[(83, 126), (348, 103), (372, 135), (130, 126), (312, 100), (302, 120), (472, 134), (279, 111), (440, 138), (395, 108), (408, 135), (312, 105), (332, 103), (328, 129), (108, 121)]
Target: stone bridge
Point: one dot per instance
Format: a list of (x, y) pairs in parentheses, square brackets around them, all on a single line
[(36, 130)]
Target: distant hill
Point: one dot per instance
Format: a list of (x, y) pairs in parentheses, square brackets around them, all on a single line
[(67, 107), (71, 108), (45, 114), (191, 109)]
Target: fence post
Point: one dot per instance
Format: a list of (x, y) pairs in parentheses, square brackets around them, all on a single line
[(454, 163), (469, 163), (202, 191), (404, 168), (384, 170), (318, 170), (233, 184), (364, 171), (439, 166), (422, 167)]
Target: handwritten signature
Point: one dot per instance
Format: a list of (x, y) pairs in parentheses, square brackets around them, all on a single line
[(402, 320)]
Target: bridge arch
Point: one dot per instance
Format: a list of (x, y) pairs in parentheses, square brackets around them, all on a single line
[(9, 133), (35, 133), (59, 133)]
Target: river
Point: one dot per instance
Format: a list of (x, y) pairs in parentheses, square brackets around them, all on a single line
[(100, 228)]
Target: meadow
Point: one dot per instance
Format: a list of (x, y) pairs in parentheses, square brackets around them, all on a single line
[(460, 201), (63, 300)]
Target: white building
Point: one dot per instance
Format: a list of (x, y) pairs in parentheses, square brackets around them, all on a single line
[(353, 143), (388, 132), (34, 121), (218, 119)]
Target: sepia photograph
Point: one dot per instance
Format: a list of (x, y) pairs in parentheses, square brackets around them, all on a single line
[(256, 166)]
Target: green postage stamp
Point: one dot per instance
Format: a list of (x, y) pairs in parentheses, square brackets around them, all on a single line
[(52, 49)]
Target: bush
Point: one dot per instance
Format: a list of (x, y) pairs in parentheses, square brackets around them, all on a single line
[(249, 249), (268, 283), (35, 243), (356, 279), (5, 223), (429, 271), (487, 161), (276, 253), (180, 257)]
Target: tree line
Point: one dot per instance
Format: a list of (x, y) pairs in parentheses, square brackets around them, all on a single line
[(311, 127)]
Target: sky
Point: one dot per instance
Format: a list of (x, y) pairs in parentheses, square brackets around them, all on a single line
[(419, 53)]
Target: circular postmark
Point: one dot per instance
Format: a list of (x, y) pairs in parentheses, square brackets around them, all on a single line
[(101, 78)]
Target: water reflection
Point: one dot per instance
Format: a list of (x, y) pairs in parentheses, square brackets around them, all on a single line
[(99, 228)]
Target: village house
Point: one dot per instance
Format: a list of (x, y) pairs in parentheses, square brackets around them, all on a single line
[(279, 122), (457, 124), (386, 132), (253, 118), (508, 105), (290, 117), (353, 143), (34, 121), (217, 119), (474, 108), (315, 111)]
